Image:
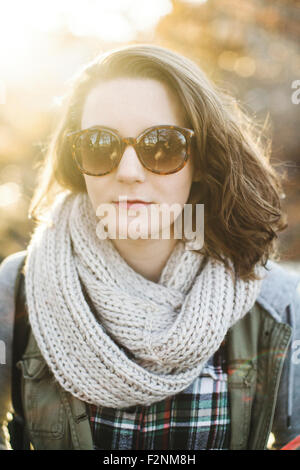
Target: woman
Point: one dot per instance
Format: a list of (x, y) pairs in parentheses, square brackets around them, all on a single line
[(142, 342)]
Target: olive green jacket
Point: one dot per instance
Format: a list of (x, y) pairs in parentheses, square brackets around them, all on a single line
[(263, 382)]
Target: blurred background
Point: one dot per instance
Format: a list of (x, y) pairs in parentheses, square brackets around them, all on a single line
[(250, 47)]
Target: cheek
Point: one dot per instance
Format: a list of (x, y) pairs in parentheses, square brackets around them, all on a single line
[(177, 187), (96, 189)]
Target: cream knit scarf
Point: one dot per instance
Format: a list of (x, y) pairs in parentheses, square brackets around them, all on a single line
[(122, 340)]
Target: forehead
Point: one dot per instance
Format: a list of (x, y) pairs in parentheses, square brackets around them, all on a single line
[(131, 105)]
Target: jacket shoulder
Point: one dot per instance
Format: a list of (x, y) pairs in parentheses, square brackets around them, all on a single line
[(9, 267), (280, 288)]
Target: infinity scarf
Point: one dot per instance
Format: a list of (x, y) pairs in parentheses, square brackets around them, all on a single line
[(110, 336)]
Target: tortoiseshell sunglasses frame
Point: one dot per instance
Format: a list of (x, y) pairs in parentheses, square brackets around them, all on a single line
[(125, 141)]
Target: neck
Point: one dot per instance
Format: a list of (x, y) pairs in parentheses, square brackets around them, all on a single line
[(147, 257)]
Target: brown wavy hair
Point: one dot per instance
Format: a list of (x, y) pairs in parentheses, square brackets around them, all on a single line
[(239, 188)]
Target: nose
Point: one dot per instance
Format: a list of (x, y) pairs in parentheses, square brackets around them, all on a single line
[(130, 168)]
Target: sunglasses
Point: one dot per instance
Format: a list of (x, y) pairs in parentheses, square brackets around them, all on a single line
[(161, 149)]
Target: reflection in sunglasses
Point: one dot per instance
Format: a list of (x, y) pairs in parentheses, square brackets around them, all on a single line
[(158, 155), (114, 155)]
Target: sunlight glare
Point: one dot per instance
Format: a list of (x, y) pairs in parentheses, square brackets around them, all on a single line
[(9, 194), (112, 20)]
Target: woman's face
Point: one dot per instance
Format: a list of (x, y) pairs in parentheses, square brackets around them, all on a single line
[(131, 105)]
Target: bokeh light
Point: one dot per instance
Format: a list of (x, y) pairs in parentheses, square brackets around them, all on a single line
[(9, 194), (113, 20)]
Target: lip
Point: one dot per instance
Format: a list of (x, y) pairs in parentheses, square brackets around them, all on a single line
[(132, 202)]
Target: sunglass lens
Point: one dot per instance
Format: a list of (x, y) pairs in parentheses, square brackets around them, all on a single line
[(163, 150), (97, 151)]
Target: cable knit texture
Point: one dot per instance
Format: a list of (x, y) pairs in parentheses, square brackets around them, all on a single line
[(137, 341)]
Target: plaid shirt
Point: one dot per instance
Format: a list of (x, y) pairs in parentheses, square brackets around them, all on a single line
[(194, 419)]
